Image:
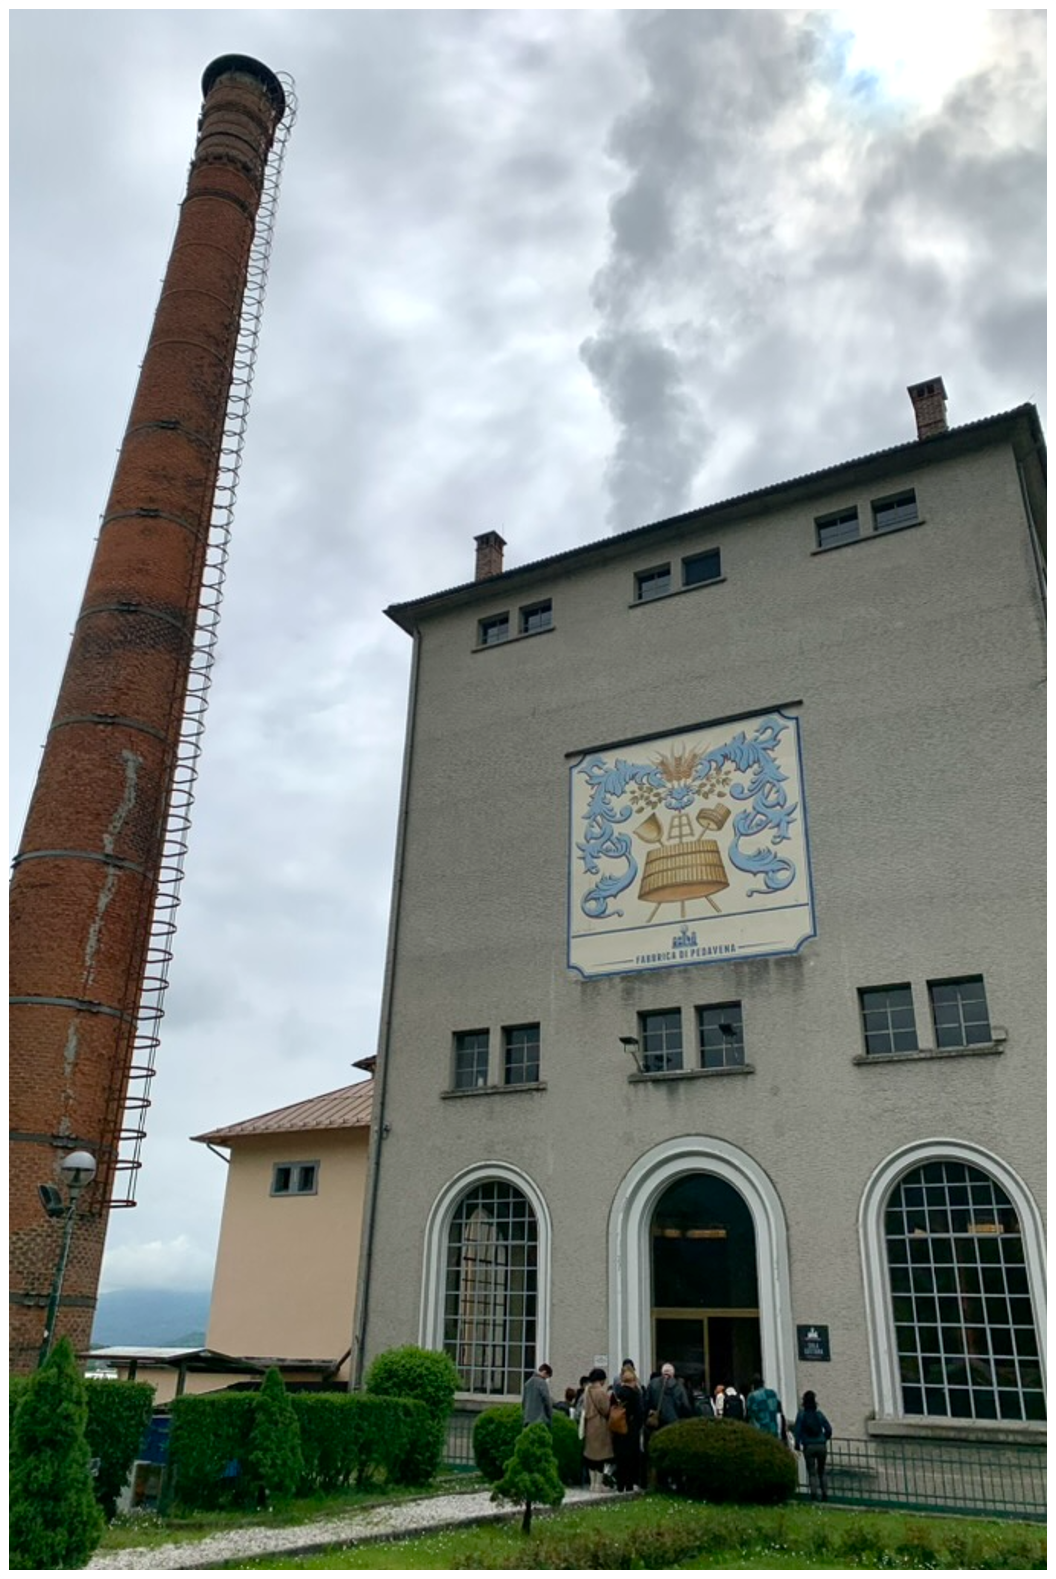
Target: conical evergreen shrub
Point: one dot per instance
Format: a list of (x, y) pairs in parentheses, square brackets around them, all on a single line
[(55, 1519), (531, 1474), (276, 1462)]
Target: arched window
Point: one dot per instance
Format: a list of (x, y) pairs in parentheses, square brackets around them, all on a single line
[(491, 1288), (954, 1271)]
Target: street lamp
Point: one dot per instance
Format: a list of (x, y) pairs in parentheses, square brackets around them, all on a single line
[(77, 1170)]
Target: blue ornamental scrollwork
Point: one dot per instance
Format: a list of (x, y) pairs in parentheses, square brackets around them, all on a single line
[(677, 781)]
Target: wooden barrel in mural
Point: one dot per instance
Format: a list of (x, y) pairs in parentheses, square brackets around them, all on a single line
[(690, 870)]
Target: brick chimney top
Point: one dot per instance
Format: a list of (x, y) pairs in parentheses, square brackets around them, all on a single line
[(929, 404), (489, 555)]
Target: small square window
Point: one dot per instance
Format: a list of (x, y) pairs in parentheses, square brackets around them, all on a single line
[(700, 568), (720, 1033), (899, 511), (960, 1012), (888, 1022), (494, 630), (295, 1178), (471, 1059), (655, 583), (537, 617), (521, 1054), (660, 1036), (840, 527)]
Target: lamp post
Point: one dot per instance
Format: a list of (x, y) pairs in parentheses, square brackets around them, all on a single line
[(77, 1170)]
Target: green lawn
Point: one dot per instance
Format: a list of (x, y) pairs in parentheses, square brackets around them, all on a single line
[(665, 1532)]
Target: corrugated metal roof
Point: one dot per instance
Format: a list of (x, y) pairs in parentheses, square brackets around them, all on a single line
[(928, 450), (347, 1108)]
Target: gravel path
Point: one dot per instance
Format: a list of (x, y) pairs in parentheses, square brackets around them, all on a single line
[(379, 1523)]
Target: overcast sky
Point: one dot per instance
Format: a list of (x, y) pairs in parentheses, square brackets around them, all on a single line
[(555, 273)]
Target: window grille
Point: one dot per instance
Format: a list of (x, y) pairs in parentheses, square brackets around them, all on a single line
[(888, 1022), (661, 1041), (959, 1011), (720, 1028), (494, 630), (471, 1059), (654, 583), (901, 511), (491, 1289), (521, 1063), (964, 1324), (537, 617)]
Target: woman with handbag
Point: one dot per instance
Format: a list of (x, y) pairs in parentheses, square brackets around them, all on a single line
[(597, 1443), (626, 1417)]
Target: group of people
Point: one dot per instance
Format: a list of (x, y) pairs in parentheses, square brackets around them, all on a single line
[(617, 1422)]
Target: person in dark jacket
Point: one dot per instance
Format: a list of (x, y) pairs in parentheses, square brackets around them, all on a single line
[(536, 1404), (812, 1433), (627, 1446)]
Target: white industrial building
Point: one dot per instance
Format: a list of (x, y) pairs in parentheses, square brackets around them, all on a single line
[(714, 1022)]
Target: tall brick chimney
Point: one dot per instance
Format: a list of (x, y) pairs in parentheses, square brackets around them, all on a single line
[(85, 877), (929, 404), (489, 555)]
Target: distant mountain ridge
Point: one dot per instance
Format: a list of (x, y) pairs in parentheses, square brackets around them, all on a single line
[(163, 1317)]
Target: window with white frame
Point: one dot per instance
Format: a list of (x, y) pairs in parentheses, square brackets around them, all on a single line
[(491, 1288), (965, 1331)]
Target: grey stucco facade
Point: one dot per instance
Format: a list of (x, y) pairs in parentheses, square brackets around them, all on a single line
[(913, 662)]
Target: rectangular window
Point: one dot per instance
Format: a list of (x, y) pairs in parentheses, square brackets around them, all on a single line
[(521, 1054), (471, 1059), (889, 1024), (660, 1034), (899, 511), (537, 617), (959, 1011), (295, 1178), (655, 583), (840, 527), (494, 630), (720, 1031), (699, 568)]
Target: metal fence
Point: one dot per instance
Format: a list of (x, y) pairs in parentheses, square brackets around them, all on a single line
[(991, 1480)]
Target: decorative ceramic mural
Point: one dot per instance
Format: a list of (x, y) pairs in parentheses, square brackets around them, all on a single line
[(690, 848)]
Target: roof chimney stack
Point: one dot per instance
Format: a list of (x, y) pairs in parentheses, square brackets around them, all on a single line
[(929, 404), (489, 555)]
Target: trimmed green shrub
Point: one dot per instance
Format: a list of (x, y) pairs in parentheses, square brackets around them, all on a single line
[(55, 1521), (568, 1450), (345, 1438), (495, 1434), (429, 1376), (722, 1461), (531, 1474), (211, 1432), (275, 1460), (118, 1417)]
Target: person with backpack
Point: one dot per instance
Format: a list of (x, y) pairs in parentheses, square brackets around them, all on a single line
[(812, 1433), (762, 1408), (732, 1405)]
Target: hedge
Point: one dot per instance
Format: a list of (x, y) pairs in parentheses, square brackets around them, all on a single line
[(495, 1433), (118, 1417), (722, 1461), (346, 1438)]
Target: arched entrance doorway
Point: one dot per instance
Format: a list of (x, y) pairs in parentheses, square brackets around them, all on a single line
[(705, 1280), (631, 1218)]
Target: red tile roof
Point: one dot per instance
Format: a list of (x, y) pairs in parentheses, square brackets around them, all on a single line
[(347, 1108)]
